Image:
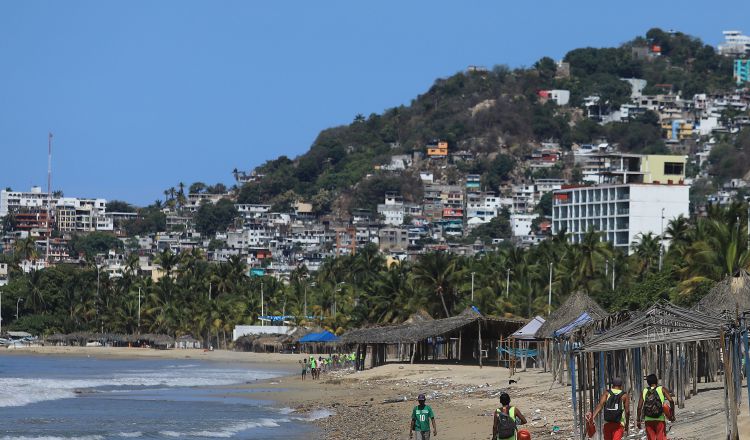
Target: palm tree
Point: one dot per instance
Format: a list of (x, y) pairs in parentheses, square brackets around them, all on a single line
[(168, 261), (437, 272), (721, 251), (592, 249), (25, 249), (646, 248)]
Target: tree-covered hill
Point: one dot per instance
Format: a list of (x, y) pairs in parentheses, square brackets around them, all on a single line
[(497, 111)]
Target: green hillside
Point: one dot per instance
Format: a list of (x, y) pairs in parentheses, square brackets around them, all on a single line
[(486, 111)]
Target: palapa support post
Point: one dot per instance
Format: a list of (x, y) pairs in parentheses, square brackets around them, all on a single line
[(746, 343), (479, 327), (460, 337), (574, 391)]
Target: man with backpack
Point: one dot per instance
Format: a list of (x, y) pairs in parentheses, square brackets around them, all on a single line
[(507, 418), (421, 416), (651, 409), (615, 406)]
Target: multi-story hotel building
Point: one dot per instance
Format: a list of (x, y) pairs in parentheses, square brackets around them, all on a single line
[(643, 193)]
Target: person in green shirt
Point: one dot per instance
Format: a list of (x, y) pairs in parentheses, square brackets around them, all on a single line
[(421, 416)]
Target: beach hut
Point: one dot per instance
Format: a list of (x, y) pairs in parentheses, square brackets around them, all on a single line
[(556, 346), (468, 336), (729, 296), (318, 342), (667, 340), (521, 341), (186, 342)]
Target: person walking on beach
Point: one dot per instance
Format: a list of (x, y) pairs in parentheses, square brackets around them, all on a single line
[(421, 416), (313, 368), (615, 406), (304, 368), (507, 419), (651, 408)]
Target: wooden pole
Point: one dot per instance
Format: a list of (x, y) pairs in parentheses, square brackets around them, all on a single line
[(746, 343), (479, 327)]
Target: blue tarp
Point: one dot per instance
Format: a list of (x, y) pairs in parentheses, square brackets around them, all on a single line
[(518, 352), (275, 319), (578, 322), (324, 336)]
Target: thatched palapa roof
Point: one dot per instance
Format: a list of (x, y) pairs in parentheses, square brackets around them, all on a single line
[(415, 330), (730, 295), (661, 323), (573, 307)]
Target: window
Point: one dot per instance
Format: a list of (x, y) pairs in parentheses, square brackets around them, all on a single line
[(673, 168)]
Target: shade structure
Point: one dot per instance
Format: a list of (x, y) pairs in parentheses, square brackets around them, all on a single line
[(729, 296), (418, 331), (528, 331), (583, 319), (576, 304), (324, 336), (662, 323)]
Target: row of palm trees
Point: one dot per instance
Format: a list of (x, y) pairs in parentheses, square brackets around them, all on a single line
[(205, 299)]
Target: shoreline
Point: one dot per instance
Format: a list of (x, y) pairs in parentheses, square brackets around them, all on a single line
[(463, 397), (285, 360)]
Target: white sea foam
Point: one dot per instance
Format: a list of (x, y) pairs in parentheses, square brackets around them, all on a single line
[(228, 431), (317, 415), (24, 391), (130, 434)]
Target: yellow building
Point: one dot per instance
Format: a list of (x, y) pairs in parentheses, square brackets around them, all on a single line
[(677, 130), (663, 168), (439, 150)]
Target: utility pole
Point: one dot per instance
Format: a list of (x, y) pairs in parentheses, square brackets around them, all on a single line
[(262, 305), (472, 287), (549, 299), (613, 275), (748, 227), (1, 313), (17, 302), (98, 298), (507, 282), (139, 310), (49, 197), (661, 241)]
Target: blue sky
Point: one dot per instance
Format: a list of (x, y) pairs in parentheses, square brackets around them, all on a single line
[(144, 94)]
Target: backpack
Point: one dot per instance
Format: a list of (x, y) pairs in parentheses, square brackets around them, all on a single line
[(506, 427), (613, 408), (652, 404)]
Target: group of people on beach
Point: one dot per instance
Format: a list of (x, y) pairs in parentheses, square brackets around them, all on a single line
[(315, 366), (655, 407)]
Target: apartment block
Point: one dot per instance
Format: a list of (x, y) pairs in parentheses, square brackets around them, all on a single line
[(619, 212), (620, 168), (15, 201)]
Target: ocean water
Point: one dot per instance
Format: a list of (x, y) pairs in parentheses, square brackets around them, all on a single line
[(84, 398)]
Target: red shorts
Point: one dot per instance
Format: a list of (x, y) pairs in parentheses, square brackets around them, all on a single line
[(656, 430), (613, 431)]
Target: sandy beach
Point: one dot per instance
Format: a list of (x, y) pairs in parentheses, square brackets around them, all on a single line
[(463, 397)]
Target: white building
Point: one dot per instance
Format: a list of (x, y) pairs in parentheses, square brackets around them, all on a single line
[(12, 201), (392, 210), (521, 224), (735, 44), (619, 212), (561, 97)]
